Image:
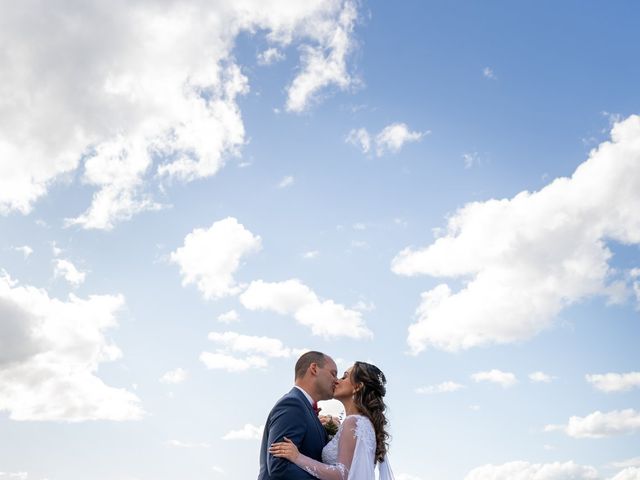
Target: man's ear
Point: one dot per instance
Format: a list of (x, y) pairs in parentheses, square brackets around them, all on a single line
[(313, 368)]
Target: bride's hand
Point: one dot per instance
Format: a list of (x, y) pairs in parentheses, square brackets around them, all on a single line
[(286, 449)]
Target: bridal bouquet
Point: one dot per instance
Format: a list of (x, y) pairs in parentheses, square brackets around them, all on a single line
[(330, 424)]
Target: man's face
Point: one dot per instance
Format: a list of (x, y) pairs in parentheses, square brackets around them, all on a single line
[(327, 379)]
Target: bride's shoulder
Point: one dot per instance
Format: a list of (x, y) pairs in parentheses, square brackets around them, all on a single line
[(357, 420)]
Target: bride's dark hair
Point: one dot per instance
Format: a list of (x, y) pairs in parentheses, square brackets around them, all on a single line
[(370, 389)]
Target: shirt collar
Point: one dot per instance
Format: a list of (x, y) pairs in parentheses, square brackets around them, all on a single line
[(308, 397)]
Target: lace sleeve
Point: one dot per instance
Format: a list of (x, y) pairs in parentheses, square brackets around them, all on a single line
[(346, 449)]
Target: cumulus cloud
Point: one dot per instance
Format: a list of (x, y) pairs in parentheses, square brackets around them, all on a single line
[(444, 387), (360, 138), (175, 376), (521, 470), (630, 462), (209, 258), (224, 361), (390, 139), (248, 432), (25, 250), (504, 379), (631, 473), (393, 137), (270, 347), (522, 260), (614, 382), (324, 64), (540, 377), (229, 317), (67, 270), (50, 351), (599, 425), (144, 93), (310, 254), (292, 297), (254, 351), (269, 56)]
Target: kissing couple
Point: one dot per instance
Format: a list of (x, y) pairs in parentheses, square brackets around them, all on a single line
[(295, 444)]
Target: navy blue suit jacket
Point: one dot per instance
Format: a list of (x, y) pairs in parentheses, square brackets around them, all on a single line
[(293, 417)]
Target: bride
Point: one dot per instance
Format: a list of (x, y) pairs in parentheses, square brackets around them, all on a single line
[(361, 441)]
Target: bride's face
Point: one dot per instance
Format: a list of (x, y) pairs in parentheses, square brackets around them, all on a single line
[(344, 388)]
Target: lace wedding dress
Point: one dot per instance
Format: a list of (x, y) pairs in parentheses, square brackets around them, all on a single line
[(349, 455)]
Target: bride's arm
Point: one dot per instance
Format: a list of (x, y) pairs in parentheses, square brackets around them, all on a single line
[(339, 471)]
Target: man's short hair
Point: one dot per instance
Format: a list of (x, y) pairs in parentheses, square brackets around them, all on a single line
[(303, 363)]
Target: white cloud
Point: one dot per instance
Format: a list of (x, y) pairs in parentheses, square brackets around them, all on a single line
[(223, 361), (15, 475), (630, 462), (406, 476), (50, 351), (325, 64), (470, 159), (360, 138), (631, 473), (144, 94), (67, 270), (179, 444), (255, 351), (229, 317), (363, 306), (175, 376), (635, 275), (487, 72), (598, 424), (269, 56), (292, 297), (266, 346), (310, 254), (217, 469), (286, 182), (521, 470), (248, 432), (209, 258), (614, 382), (540, 377), (390, 139), (524, 259), (505, 379), (444, 387), (57, 251), (25, 250), (393, 137)]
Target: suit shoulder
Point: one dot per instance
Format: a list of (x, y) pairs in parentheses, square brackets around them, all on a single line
[(289, 401)]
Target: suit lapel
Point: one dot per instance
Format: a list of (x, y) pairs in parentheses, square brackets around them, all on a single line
[(316, 420)]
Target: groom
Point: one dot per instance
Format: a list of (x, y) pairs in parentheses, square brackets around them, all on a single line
[(295, 416)]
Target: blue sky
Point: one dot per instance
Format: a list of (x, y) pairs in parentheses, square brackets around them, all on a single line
[(192, 193)]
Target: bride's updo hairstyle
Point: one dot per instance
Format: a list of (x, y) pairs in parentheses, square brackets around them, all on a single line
[(370, 382)]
